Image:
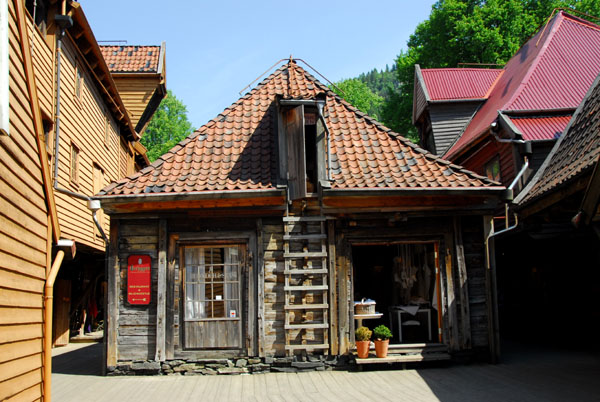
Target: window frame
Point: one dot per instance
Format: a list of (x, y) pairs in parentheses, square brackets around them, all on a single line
[(488, 169)]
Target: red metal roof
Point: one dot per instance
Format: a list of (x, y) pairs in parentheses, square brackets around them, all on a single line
[(553, 70), (131, 59), (459, 83), (542, 127), (574, 154), (238, 149)]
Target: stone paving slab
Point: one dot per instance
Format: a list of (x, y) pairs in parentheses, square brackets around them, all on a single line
[(525, 374)]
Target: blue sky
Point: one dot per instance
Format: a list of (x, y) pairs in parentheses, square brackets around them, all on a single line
[(216, 48)]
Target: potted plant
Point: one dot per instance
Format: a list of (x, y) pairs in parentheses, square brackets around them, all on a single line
[(363, 341), (382, 335)]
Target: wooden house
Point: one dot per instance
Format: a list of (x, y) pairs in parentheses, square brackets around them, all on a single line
[(550, 263), (502, 123), (65, 134), (253, 238)]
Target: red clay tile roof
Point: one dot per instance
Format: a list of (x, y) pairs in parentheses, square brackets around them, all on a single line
[(238, 149), (574, 154), (540, 128), (459, 83), (554, 74), (131, 59)]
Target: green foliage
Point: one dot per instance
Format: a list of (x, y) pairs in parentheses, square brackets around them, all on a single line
[(168, 126), (381, 82), (468, 31), (363, 334), (382, 333), (358, 94)]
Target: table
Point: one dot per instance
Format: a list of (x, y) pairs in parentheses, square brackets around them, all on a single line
[(398, 310), (360, 317)]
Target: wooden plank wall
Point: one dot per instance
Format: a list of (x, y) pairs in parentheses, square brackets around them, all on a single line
[(44, 69), (448, 121), (23, 232), (136, 92), (83, 122), (136, 337), (274, 318), (474, 253), (486, 153)]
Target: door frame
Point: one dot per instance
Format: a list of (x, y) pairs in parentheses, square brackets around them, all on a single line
[(248, 300)]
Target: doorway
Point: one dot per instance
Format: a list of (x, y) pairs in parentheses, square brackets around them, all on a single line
[(403, 281)]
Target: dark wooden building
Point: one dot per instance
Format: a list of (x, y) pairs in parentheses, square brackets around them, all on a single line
[(254, 237), (549, 265)]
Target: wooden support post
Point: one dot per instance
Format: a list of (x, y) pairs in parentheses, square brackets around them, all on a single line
[(112, 299), (333, 315), (161, 298), (451, 297), (251, 296), (170, 299), (490, 287), (260, 267), (343, 279), (463, 290)]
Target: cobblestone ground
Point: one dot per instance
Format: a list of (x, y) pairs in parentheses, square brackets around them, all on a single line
[(525, 374)]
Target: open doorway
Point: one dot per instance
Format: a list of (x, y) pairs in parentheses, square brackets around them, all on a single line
[(401, 278)]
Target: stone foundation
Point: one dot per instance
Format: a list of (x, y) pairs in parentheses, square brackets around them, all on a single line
[(250, 365)]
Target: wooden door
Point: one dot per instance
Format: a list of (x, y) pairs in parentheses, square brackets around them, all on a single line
[(212, 286), (62, 304)]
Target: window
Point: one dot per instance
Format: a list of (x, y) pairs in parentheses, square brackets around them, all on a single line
[(74, 164), (4, 74), (492, 169), (39, 13), (304, 152), (212, 282), (78, 82)]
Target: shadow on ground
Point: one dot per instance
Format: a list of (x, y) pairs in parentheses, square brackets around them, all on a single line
[(82, 360)]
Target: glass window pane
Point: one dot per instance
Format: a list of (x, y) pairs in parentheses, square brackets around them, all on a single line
[(231, 291), (218, 309), (218, 275)]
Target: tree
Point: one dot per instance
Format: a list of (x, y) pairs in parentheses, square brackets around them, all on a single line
[(168, 126), (358, 94), (468, 31)]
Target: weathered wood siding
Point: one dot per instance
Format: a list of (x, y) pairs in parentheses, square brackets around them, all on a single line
[(23, 233), (448, 121), (136, 332), (474, 246), (485, 153), (44, 69), (83, 123), (136, 92), (420, 102)]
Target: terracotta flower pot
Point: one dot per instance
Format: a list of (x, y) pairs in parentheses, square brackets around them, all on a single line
[(362, 349), (381, 348)]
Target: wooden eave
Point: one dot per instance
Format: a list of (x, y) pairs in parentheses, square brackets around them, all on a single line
[(82, 36), (237, 199), (419, 199)]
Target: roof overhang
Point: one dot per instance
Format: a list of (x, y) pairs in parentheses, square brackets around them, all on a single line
[(81, 34), (417, 199), (136, 203)]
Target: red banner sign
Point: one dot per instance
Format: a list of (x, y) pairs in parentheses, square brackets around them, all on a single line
[(139, 280)]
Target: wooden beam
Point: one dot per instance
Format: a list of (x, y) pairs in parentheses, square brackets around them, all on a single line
[(112, 299), (333, 311), (343, 282), (38, 126), (451, 296), (490, 289), (463, 291), (260, 268), (251, 296), (170, 317), (161, 298)]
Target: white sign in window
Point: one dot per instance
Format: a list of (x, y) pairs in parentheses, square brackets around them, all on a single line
[(4, 78)]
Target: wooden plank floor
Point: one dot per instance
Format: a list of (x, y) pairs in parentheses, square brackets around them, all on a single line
[(525, 374)]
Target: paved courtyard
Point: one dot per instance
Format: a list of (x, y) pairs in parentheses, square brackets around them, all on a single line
[(526, 374)]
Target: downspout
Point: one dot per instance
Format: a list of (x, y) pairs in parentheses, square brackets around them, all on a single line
[(48, 300), (64, 21)]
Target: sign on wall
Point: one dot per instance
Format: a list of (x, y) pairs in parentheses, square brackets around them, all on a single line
[(139, 279)]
